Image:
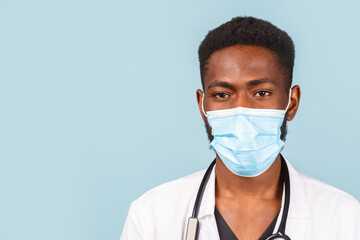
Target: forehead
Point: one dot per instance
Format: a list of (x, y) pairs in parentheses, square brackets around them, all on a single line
[(242, 63)]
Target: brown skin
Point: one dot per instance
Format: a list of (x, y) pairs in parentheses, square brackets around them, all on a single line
[(247, 76)]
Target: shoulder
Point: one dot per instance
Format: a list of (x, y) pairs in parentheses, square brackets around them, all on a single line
[(316, 191), (319, 189), (328, 210), (164, 207), (177, 191), (326, 200), (161, 212)]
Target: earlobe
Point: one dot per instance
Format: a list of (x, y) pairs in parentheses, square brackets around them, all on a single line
[(295, 101)]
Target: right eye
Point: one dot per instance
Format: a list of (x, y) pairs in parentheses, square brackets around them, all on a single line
[(221, 95)]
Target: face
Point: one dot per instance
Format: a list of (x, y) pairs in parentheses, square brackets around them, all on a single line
[(246, 76)]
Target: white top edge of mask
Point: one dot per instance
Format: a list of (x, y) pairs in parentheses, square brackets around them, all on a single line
[(246, 111)]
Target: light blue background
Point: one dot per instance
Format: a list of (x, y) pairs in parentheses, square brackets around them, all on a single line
[(97, 104)]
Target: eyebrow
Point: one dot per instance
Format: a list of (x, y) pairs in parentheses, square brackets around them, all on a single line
[(221, 84), (249, 84), (260, 81)]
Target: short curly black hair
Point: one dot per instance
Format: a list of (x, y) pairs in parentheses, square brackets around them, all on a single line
[(249, 31)]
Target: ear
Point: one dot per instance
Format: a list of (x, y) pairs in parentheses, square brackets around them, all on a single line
[(199, 99), (294, 103)]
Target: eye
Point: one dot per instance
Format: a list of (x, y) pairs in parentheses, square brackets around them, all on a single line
[(262, 94), (221, 95)]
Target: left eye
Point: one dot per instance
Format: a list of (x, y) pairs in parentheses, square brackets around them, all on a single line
[(262, 93), (222, 95)]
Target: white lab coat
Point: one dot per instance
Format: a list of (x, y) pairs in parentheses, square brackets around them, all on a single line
[(317, 211)]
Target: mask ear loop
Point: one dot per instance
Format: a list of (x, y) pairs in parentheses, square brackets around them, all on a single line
[(288, 101), (202, 105)]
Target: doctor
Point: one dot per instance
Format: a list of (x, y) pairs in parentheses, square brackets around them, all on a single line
[(252, 192)]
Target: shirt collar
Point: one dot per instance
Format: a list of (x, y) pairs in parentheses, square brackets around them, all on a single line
[(298, 205)]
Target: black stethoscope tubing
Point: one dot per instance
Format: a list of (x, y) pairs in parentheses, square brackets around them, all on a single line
[(281, 230), (201, 189)]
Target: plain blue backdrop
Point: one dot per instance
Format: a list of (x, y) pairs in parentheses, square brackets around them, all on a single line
[(97, 104)]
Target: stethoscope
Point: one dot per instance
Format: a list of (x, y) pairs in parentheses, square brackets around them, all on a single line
[(193, 222)]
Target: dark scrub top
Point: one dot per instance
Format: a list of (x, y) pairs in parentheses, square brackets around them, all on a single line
[(226, 233)]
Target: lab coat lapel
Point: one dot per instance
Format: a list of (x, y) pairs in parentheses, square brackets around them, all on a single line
[(297, 229), (207, 224), (298, 223)]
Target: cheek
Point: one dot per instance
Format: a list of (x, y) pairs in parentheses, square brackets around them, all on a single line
[(219, 105)]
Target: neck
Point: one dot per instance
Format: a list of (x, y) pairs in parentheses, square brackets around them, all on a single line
[(267, 186)]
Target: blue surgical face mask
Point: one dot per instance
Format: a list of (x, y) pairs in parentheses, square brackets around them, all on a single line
[(247, 140)]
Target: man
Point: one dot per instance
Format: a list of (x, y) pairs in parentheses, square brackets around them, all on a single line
[(246, 70)]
